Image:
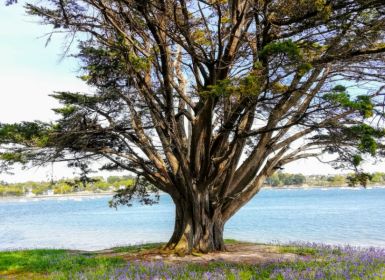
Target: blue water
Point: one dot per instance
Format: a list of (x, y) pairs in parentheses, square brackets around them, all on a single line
[(334, 216)]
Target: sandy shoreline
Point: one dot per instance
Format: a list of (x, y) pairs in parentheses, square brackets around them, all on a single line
[(69, 196)]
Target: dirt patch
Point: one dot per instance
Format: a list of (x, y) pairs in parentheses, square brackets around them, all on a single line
[(242, 253)]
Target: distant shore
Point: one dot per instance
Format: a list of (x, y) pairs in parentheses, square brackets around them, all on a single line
[(69, 195), (324, 187), (102, 194)]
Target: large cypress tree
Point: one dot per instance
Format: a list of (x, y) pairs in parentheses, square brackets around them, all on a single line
[(205, 99)]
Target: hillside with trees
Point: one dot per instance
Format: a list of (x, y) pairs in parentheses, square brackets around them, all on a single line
[(114, 184), (280, 179), (67, 186)]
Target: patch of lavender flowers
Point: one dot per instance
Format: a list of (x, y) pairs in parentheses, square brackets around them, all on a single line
[(162, 271), (336, 262), (325, 262)]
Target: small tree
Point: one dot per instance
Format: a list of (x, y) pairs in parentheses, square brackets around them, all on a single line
[(377, 177), (337, 180), (298, 179), (207, 99)]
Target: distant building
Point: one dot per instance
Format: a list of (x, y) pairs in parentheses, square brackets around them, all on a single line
[(49, 192), (29, 193)]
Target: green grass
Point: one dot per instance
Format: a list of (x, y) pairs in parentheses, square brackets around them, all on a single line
[(329, 262), (233, 241), (150, 246), (44, 262), (298, 250), (137, 248)]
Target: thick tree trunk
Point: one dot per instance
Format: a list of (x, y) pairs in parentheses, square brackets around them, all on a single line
[(198, 227)]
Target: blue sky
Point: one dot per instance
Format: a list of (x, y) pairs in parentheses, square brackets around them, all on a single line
[(30, 71)]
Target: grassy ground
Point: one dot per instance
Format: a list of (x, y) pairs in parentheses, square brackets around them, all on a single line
[(313, 262)]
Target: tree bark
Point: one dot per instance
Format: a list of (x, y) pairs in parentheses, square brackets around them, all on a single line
[(198, 227)]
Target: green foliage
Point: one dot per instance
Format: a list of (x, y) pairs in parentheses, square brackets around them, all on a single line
[(362, 103), (274, 180), (223, 87), (40, 189), (72, 101), (280, 179), (337, 180), (368, 145), (141, 189), (200, 37), (303, 68), (353, 142), (288, 47), (360, 178), (65, 111), (293, 51), (27, 133), (138, 248), (102, 185), (105, 66), (339, 88), (129, 182), (138, 63), (377, 177), (285, 179), (101, 61), (11, 191), (21, 137), (357, 159), (13, 157), (113, 179), (250, 85), (298, 250), (65, 186), (338, 98), (367, 136)]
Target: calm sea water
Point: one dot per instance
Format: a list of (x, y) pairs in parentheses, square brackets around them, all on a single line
[(334, 216)]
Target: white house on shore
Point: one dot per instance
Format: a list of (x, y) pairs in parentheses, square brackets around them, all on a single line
[(49, 192), (29, 193)]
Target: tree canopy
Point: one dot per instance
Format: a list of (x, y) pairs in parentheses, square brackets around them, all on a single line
[(205, 99)]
